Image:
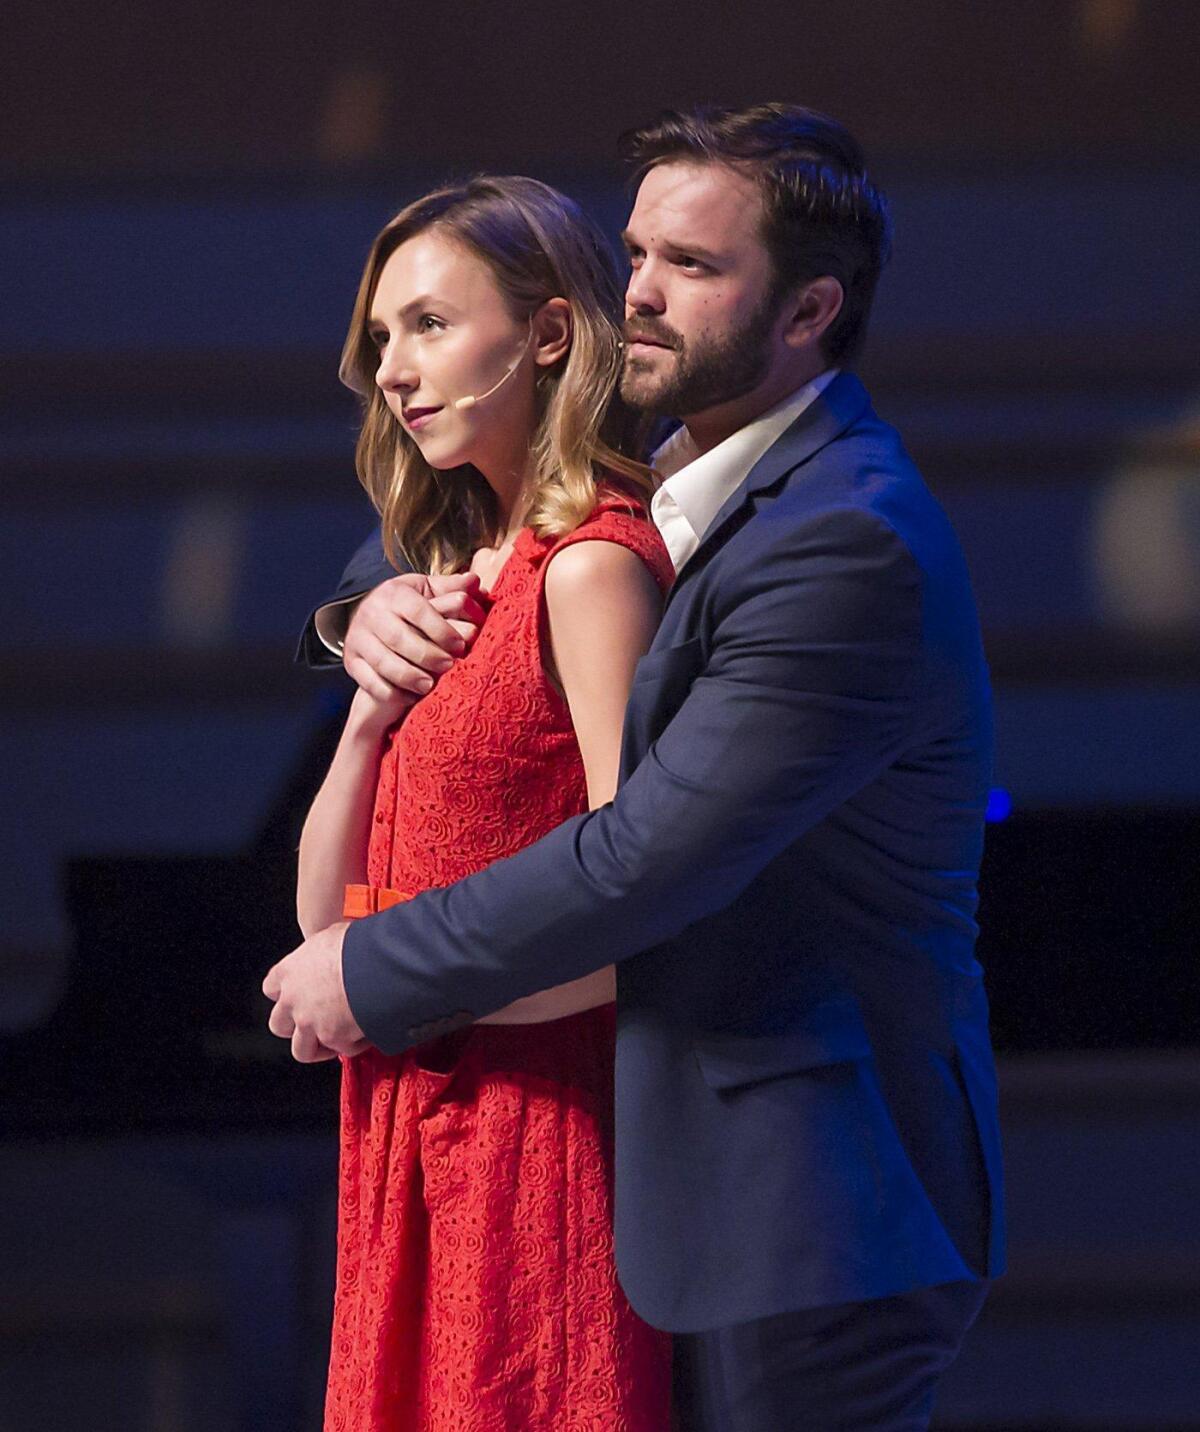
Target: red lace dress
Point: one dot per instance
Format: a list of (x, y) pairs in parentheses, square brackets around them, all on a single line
[(476, 1289)]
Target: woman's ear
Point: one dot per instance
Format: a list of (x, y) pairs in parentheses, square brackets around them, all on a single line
[(552, 326), (813, 309)]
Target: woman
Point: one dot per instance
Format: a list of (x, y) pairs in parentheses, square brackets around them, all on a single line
[(476, 1287)]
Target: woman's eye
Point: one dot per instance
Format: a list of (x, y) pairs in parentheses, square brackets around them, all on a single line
[(378, 340), (429, 323)]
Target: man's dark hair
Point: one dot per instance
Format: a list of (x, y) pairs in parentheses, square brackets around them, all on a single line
[(821, 214)]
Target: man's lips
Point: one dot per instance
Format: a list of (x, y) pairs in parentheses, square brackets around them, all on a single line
[(632, 345)]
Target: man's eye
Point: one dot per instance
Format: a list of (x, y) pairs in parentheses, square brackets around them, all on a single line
[(688, 262)]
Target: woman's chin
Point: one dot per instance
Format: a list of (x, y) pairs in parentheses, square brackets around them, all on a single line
[(446, 464), (442, 456)]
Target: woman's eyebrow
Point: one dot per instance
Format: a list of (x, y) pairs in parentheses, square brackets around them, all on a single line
[(414, 305)]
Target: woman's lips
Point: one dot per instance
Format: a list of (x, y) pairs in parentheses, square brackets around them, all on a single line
[(416, 418)]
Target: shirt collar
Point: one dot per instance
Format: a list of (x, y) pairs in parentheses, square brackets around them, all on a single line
[(699, 485)]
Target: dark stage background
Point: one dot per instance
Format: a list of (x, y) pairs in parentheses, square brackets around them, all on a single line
[(188, 195)]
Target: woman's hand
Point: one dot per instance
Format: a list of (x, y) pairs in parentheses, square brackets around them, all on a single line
[(372, 716)]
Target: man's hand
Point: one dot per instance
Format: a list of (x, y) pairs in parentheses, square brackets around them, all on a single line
[(408, 632), (311, 1008)]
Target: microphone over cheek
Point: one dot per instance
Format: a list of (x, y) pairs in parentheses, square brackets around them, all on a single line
[(462, 404)]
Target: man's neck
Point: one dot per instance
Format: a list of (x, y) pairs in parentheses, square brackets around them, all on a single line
[(712, 426)]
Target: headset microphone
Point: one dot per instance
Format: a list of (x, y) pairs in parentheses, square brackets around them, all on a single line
[(462, 404)]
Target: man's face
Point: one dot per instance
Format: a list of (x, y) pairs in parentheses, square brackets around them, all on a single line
[(700, 313)]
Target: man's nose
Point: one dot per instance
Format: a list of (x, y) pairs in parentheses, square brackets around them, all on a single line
[(643, 292)]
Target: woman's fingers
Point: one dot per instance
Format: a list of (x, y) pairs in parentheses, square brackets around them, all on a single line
[(466, 630), (460, 608), (453, 582)]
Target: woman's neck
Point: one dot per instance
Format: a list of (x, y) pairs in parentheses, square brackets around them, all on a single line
[(511, 486)]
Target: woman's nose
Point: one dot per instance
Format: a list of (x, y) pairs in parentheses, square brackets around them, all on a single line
[(393, 375)]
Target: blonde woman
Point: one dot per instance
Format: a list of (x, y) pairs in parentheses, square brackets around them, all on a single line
[(476, 1287)]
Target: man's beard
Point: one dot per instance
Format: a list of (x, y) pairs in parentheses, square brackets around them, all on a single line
[(707, 372)]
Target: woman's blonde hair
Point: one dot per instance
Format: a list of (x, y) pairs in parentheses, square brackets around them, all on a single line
[(539, 245)]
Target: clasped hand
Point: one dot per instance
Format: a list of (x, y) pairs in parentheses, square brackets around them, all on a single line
[(408, 631), (311, 1008)]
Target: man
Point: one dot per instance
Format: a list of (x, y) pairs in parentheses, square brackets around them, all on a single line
[(808, 1185)]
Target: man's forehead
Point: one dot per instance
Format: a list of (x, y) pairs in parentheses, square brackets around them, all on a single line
[(682, 201)]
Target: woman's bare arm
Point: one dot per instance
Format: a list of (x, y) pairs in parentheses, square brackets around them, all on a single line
[(333, 846)]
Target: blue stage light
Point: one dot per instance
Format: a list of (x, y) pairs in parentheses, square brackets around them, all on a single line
[(999, 806)]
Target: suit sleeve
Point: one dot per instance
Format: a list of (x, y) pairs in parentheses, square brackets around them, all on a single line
[(808, 694), (365, 569)]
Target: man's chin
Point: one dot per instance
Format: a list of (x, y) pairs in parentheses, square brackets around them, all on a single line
[(643, 389)]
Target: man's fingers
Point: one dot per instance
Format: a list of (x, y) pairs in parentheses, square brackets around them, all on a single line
[(363, 674), (308, 1049), (405, 641), (412, 609), (404, 674), (281, 1022), (402, 638), (390, 641)]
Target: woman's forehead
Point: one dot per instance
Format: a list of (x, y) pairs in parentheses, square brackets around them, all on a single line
[(434, 263)]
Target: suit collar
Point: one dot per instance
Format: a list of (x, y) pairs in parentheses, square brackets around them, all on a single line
[(829, 415)]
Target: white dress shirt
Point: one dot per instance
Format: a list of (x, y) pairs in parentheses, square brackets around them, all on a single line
[(697, 486)]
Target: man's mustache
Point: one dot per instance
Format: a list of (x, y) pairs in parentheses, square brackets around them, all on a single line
[(652, 330)]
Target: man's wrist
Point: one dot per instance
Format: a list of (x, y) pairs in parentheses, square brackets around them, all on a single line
[(332, 621)]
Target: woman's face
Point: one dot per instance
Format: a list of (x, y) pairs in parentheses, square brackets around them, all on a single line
[(444, 332)]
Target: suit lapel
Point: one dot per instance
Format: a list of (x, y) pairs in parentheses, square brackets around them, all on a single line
[(826, 418)]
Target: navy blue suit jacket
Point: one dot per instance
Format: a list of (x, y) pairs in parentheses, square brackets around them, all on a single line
[(786, 880), (366, 569)]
